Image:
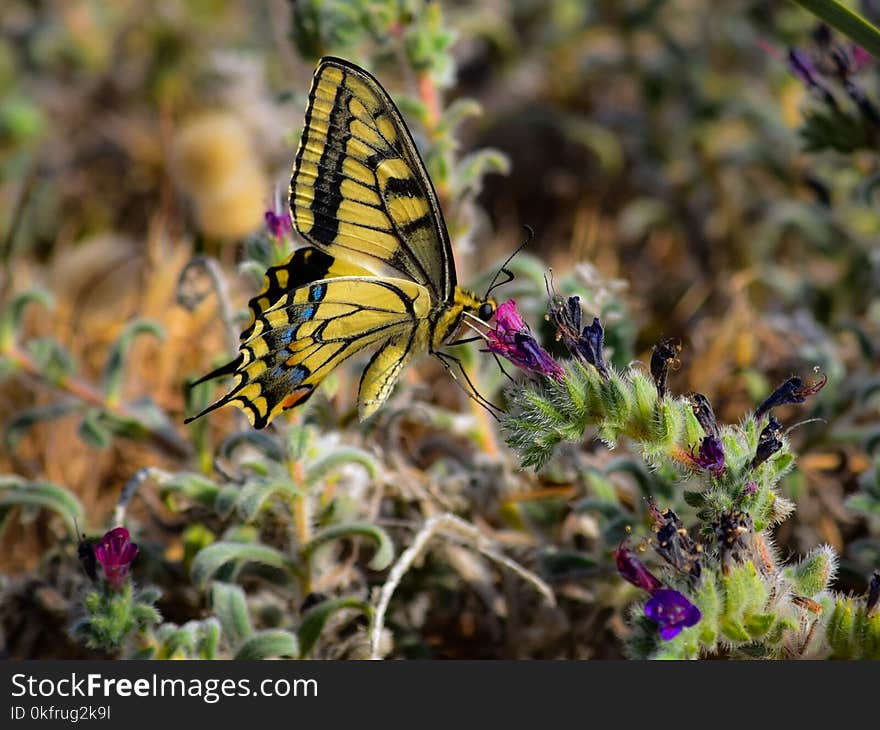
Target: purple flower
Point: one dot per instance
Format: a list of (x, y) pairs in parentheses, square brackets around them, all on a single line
[(278, 225), (634, 570), (513, 340), (667, 607), (710, 456), (672, 611), (116, 553), (750, 488), (793, 390)]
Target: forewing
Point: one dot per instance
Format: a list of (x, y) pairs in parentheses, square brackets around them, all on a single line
[(359, 189)]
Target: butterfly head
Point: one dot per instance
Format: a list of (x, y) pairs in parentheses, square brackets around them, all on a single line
[(487, 310)]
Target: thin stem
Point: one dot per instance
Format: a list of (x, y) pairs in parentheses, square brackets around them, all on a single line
[(87, 393)]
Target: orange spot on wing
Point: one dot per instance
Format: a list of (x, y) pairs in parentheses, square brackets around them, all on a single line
[(299, 394)]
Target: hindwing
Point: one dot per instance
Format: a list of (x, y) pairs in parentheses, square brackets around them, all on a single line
[(310, 330)]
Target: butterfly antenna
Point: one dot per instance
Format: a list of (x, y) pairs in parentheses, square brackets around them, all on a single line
[(509, 276)]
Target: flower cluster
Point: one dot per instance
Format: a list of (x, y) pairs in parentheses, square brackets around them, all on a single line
[(668, 608), (584, 344)]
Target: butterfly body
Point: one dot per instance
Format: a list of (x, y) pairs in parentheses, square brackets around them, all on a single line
[(378, 272)]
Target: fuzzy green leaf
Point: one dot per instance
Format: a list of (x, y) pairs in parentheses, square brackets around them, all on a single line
[(270, 643), (384, 547), (314, 621), (215, 556), (230, 607)]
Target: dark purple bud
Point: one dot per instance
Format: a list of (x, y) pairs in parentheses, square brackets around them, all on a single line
[(116, 553), (589, 347), (750, 488), (674, 544), (565, 314), (768, 442), (793, 390), (710, 456), (634, 570), (703, 411), (734, 532), (873, 594), (672, 612), (663, 358), (512, 339)]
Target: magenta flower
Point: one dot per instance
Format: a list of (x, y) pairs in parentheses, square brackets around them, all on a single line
[(278, 225), (667, 607), (512, 339), (710, 456), (116, 553), (672, 612)]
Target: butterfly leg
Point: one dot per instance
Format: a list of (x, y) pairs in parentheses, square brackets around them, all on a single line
[(471, 390)]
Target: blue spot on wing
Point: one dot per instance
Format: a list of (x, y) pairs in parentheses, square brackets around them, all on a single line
[(317, 292), (293, 375)]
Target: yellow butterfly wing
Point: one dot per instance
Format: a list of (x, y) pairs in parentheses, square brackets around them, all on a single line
[(309, 331), (359, 189), (379, 271)]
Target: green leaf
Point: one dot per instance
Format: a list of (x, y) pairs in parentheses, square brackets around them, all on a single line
[(194, 487), (384, 547), (262, 442), (209, 638), (847, 21), (14, 492), (113, 368), (230, 607), (270, 643), (92, 431), (10, 320), (338, 458), (215, 556), (314, 621), (759, 624), (734, 631), (52, 358), (255, 495), (25, 420)]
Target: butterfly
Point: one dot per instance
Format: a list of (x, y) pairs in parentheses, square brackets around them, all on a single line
[(378, 272)]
